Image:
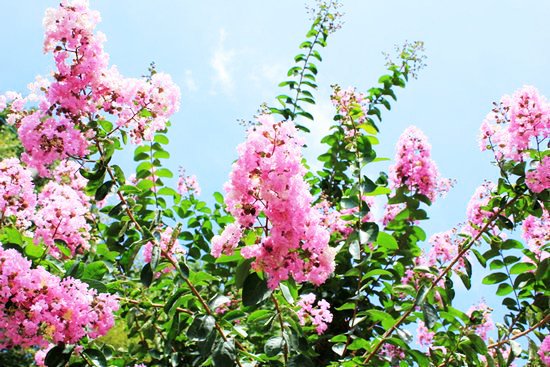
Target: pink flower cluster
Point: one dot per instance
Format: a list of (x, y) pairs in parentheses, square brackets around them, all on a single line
[(58, 213), (520, 122), (188, 184), (40, 308), (536, 232), (268, 178), (62, 211), (538, 179), (444, 248), (17, 197), (393, 353), (481, 315), (544, 351), (169, 247), (476, 216), (391, 211), (424, 335), (347, 101), (142, 106), (414, 168), (82, 88), (320, 316)]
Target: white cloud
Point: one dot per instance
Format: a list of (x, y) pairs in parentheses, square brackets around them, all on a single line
[(220, 62), (189, 81)]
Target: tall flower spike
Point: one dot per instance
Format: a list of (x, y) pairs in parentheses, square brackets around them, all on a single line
[(414, 167), (268, 178)]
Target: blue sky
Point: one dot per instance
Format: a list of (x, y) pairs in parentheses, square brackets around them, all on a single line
[(228, 57)]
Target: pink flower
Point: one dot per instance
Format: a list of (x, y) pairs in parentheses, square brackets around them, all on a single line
[(425, 336), (538, 179), (536, 232), (188, 184), (544, 351), (475, 214), (516, 124), (414, 168), (17, 197), (320, 316), (268, 178), (61, 215), (169, 247), (480, 315), (39, 308)]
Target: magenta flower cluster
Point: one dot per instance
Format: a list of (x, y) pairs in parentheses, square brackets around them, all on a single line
[(476, 215), (39, 308), (169, 247), (58, 212), (536, 233), (517, 125), (83, 88), (414, 167), (268, 179), (319, 315), (481, 314), (17, 197)]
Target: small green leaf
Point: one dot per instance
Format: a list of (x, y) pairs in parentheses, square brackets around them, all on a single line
[(96, 357), (146, 275), (255, 290)]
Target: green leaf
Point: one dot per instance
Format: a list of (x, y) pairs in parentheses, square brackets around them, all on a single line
[(155, 257), (96, 357), (421, 295), (161, 139), (300, 361), (274, 346), (255, 290), (146, 276), (504, 289), (387, 241), (95, 284), (430, 315), (201, 327), (95, 270), (56, 358), (224, 354), (465, 280), (520, 268), (104, 190), (478, 343), (494, 278)]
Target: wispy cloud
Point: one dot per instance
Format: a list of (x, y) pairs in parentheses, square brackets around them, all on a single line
[(220, 62), (189, 81)]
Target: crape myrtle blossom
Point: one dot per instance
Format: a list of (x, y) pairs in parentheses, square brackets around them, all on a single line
[(169, 247), (444, 248), (424, 335), (538, 179), (320, 316), (518, 123), (62, 211), (268, 177), (544, 351), (476, 216), (83, 89), (17, 197), (187, 184), (39, 308), (414, 168), (349, 102), (480, 315), (536, 233)]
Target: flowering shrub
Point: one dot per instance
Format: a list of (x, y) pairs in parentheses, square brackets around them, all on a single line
[(291, 267)]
